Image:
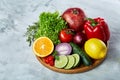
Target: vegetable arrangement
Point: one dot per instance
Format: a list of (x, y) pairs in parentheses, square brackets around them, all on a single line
[(77, 40)]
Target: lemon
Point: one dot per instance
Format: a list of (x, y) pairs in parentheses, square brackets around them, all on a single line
[(95, 48)]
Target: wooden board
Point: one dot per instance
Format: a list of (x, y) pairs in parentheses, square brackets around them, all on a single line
[(78, 69)]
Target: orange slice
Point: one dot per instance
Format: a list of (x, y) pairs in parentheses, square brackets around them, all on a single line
[(43, 46)]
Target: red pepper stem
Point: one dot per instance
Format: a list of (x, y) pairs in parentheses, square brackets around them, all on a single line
[(92, 22)]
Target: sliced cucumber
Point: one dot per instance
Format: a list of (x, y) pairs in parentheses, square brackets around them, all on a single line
[(71, 61), (62, 62), (84, 57), (77, 59)]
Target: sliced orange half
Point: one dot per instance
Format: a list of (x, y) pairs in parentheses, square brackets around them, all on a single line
[(43, 46)]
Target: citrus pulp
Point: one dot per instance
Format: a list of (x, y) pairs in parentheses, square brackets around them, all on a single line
[(43, 46)]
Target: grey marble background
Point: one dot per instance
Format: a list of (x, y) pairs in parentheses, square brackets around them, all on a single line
[(17, 61)]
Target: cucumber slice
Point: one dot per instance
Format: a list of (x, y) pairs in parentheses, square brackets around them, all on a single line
[(77, 59), (71, 61), (62, 62)]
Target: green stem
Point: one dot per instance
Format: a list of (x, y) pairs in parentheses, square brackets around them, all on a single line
[(93, 22)]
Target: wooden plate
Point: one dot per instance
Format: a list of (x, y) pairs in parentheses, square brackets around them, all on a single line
[(78, 69)]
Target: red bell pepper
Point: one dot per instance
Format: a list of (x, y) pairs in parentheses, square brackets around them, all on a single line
[(97, 28)]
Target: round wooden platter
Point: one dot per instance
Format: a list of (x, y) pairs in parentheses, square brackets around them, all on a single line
[(81, 68)]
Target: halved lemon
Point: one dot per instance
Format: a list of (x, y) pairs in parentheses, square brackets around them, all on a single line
[(43, 47)]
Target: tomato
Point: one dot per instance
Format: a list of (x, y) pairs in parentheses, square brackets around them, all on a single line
[(66, 35), (51, 63), (49, 60)]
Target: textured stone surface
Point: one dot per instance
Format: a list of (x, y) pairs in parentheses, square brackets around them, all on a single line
[(17, 61)]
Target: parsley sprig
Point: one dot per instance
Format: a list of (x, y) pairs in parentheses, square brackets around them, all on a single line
[(49, 25)]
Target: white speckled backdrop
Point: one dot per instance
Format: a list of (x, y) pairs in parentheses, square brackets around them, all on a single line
[(17, 61)]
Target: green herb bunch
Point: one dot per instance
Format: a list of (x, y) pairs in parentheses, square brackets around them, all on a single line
[(49, 25)]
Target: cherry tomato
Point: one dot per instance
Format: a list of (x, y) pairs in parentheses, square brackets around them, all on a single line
[(49, 60), (51, 63), (66, 35)]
